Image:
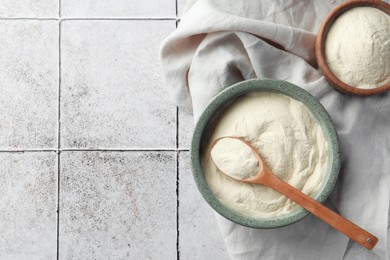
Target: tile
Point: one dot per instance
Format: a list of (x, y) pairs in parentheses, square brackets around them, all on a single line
[(199, 236), (28, 204), (112, 91), (185, 129), (118, 8), (118, 205), (181, 6), (29, 84), (29, 8)]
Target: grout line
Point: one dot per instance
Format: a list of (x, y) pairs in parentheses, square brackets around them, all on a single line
[(59, 87), (176, 8), (27, 18), (124, 150), (28, 151), (94, 150), (177, 168), (177, 128), (119, 18), (177, 206), (91, 18), (58, 202), (59, 8), (59, 134)]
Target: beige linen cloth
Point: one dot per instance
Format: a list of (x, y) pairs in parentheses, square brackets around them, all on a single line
[(219, 43)]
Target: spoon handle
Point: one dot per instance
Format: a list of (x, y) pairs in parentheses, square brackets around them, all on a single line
[(343, 225)]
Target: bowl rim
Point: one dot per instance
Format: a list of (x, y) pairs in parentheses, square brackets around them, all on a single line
[(223, 99), (320, 47)]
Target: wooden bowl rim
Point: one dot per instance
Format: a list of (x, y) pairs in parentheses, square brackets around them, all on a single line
[(320, 46)]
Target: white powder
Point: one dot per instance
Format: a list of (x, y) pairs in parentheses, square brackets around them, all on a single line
[(234, 158), (289, 139), (357, 47)]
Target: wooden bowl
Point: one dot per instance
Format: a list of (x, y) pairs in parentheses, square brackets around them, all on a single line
[(320, 47)]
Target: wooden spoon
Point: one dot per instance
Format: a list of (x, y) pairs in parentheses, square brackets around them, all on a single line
[(264, 176)]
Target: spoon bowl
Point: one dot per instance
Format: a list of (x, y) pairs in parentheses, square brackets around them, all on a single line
[(264, 176)]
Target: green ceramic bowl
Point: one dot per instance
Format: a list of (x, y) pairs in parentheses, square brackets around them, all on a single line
[(264, 85)]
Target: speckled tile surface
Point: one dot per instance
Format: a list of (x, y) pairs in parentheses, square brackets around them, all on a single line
[(91, 147), (118, 205), (199, 239), (29, 8), (180, 6), (186, 127), (112, 89), (29, 84), (118, 8), (28, 204)]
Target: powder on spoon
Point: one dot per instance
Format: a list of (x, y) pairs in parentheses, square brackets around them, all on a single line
[(234, 158), (357, 47)]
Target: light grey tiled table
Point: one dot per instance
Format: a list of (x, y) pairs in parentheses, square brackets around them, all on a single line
[(94, 159)]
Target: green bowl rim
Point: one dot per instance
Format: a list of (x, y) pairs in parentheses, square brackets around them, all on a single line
[(268, 85)]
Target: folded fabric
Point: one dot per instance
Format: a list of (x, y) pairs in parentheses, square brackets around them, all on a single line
[(219, 43)]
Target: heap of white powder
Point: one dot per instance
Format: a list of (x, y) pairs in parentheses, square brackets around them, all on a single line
[(357, 47), (288, 138), (235, 158)]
